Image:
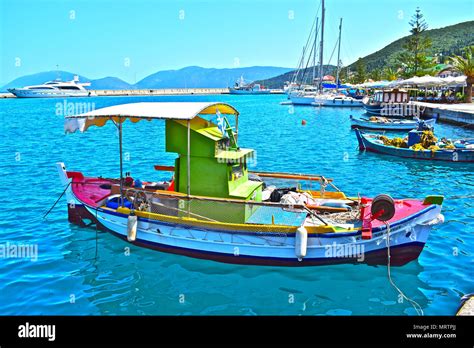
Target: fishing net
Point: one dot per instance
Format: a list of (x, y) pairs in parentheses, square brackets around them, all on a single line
[(396, 142)]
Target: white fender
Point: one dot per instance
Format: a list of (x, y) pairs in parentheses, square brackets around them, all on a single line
[(132, 224), (301, 242)]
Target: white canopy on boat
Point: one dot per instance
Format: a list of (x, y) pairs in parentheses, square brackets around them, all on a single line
[(145, 111)]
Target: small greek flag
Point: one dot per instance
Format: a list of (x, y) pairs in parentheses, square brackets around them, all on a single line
[(221, 124)]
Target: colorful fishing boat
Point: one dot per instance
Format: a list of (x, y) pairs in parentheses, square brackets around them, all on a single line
[(213, 207), (460, 151), (383, 123), (391, 103)]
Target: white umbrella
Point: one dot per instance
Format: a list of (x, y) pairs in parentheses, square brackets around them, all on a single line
[(460, 80), (429, 81), (395, 83)]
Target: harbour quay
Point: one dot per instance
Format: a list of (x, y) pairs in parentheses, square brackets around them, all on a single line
[(457, 114)]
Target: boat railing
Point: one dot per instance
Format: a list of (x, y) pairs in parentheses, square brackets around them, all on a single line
[(214, 209)]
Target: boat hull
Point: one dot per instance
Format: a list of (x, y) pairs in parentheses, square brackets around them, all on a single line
[(302, 100), (456, 155), (339, 102), (393, 110), (251, 243), (397, 125), (28, 93), (407, 238)]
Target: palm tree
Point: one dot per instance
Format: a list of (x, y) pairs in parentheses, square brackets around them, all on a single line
[(465, 65), (389, 74)]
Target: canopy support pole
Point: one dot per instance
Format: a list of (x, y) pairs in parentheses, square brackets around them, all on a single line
[(236, 128), (188, 169), (188, 174), (121, 162)]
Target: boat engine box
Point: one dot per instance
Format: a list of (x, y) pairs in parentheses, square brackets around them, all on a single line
[(414, 137)]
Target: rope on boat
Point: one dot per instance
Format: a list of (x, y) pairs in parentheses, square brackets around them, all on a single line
[(62, 194), (183, 211), (415, 304), (313, 214), (96, 233)]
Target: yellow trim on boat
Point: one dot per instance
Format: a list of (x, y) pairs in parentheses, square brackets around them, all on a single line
[(229, 226)]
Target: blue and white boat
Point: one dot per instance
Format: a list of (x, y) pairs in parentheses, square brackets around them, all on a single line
[(463, 151), (248, 88), (211, 208), (383, 123), (394, 103), (54, 89)]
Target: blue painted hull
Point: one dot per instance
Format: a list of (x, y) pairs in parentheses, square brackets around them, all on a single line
[(456, 155), (393, 110)]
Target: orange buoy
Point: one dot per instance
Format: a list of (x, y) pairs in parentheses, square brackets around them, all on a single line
[(303, 122)]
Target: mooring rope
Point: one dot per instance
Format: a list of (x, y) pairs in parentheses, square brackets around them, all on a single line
[(96, 234), (415, 304), (44, 216)]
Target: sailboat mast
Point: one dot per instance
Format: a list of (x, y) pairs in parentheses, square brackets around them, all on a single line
[(321, 48), (338, 55), (314, 49), (300, 66)]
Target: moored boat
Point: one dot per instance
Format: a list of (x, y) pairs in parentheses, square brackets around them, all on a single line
[(393, 103), (383, 123), (213, 207), (337, 100), (54, 89), (457, 152), (248, 88), (303, 96)]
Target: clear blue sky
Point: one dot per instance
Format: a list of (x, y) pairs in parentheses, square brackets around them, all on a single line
[(131, 39)]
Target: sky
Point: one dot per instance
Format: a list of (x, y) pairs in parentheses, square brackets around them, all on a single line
[(131, 39)]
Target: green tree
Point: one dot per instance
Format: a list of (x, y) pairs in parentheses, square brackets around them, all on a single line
[(343, 74), (389, 74), (361, 72), (414, 60), (376, 74), (465, 65)]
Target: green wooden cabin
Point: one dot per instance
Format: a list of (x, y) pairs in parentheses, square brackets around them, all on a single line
[(218, 169)]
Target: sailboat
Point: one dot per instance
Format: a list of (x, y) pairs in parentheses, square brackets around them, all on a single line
[(315, 95), (335, 98), (306, 93)]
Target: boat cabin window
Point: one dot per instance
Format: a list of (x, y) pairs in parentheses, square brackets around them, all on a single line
[(68, 87), (43, 87), (393, 97)]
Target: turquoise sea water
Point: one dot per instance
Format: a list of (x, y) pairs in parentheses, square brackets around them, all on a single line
[(81, 272)]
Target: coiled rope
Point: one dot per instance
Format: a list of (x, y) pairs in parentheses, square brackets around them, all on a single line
[(415, 304)]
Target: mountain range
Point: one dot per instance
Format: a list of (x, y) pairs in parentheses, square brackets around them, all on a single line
[(444, 41), (189, 77)]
